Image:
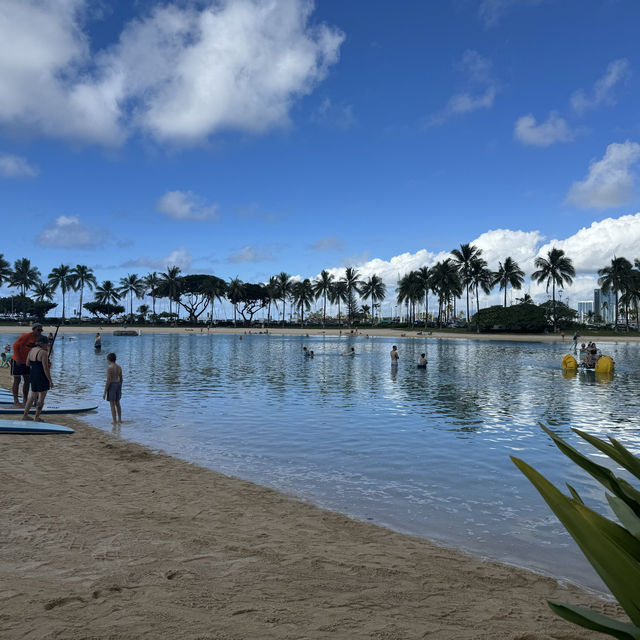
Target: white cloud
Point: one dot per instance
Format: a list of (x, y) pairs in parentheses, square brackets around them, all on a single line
[(330, 243), (610, 180), (185, 205), (602, 92), (497, 244), (491, 11), (16, 167), (67, 232), (250, 254), (177, 258), (480, 95), (555, 129), (179, 73)]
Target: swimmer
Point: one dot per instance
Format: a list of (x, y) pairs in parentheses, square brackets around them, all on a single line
[(395, 356), (349, 352), (422, 361)]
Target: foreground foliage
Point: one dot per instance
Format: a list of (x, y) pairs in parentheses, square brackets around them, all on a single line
[(613, 549)]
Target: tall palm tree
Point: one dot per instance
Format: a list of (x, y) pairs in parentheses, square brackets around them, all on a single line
[(170, 284), (302, 294), (409, 292), (338, 294), (62, 277), (272, 295), (462, 257), (509, 273), (375, 290), (481, 277), (322, 288), (556, 269), (284, 290), (133, 286), (445, 282), (353, 283), (215, 289), (5, 270), (423, 275), (107, 293), (152, 283), (235, 291), (24, 275), (43, 292), (83, 276), (615, 278)]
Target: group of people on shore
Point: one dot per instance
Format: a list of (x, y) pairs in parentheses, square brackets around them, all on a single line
[(30, 363)]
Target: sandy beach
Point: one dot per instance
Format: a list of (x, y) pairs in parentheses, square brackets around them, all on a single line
[(103, 538)]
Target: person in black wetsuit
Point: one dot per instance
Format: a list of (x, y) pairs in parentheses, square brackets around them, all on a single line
[(38, 363), (97, 343)]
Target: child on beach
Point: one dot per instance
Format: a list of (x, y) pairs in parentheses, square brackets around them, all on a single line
[(113, 387)]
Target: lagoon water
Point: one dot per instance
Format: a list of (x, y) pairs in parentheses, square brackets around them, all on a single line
[(421, 451)]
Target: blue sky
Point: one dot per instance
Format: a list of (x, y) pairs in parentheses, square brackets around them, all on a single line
[(244, 138)]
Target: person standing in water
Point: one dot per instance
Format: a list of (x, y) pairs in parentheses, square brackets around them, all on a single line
[(40, 372), (113, 387), (97, 343), (395, 356)]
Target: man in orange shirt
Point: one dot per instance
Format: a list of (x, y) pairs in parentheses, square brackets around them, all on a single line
[(19, 367)]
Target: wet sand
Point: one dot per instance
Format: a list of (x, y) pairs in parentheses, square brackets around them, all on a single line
[(103, 538)]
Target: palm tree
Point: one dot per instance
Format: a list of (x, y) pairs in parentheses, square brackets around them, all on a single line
[(353, 283), (272, 295), (43, 292), (143, 310), (409, 291), (375, 290), (302, 294), (615, 278), (322, 288), (152, 283), (556, 269), (215, 289), (462, 257), (170, 284), (24, 275), (338, 294), (526, 299), (131, 285), (235, 291), (5, 270), (445, 282), (62, 277), (481, 277), (83, 276), (423, 275), (106, 293), (284, 290), (509, 273)]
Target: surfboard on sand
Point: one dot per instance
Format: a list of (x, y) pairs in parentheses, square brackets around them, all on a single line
[(6, 409), (20, 426)]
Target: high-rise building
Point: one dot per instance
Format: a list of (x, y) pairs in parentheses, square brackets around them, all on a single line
[(604, 305), (584, 306)]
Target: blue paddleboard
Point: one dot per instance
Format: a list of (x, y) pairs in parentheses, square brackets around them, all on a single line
[(20, 426), (7, 410)]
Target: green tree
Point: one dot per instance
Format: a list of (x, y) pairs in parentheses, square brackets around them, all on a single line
[(62, 277), (170, 285), (302, 294), (152, 284), (445, 282), (480, 277), (25, 277), (615, 277), (374, 289), (215, 289), (322, 289), (555, 269), (143, 310), (43, 292), (5, 271), (353, 284), (104, 308), (409, 292), (131, 285), (235, 292), (423, 275), (272, 292), (509, 273), (284, 290), (463, 258), (338, 294), (106, 293), (83, 277)]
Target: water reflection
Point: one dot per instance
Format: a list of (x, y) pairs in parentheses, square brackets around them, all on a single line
[(424, 451)]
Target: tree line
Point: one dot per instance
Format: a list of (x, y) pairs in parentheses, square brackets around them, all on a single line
[(464, 274)]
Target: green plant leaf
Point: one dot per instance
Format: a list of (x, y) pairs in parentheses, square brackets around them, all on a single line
[(575, 494), (596, 621), (625, 514), (611, 549), (615, 451), (604, 476)]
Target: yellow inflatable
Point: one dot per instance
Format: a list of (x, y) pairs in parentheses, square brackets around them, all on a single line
[(605, 364), (569, 362)]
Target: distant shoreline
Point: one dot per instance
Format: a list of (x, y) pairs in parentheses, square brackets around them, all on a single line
[(361, 333)]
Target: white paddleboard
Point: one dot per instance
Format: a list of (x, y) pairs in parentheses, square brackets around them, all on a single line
[(20, 426), (48, 408)]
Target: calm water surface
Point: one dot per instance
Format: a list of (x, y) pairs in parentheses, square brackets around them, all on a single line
[(422, 451)]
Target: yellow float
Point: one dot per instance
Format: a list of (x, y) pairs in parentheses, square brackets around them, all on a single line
[(569, 362)]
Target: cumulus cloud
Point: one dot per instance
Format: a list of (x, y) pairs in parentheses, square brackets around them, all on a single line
[(250, 254), (178, 73), (177, 258), (602, 92), (480, 94), (186, 205), (67, 232), (491, 11), (555, 129), (609, 182), (330, 243), (16, 167)]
